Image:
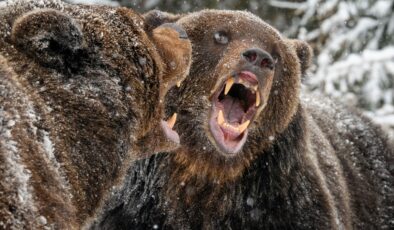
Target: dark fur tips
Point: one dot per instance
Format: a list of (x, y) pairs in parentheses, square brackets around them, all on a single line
[(304, 53), (155, 18), (50, 37), (182, 33)]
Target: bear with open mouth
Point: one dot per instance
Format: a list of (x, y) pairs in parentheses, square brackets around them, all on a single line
[(81, 97), (257, 152)]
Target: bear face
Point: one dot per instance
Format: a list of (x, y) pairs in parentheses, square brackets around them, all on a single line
[(56, 41), (242, 90), (82, 90)]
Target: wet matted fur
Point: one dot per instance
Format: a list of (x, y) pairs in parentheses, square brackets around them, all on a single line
[(81, 91), (307, 163)]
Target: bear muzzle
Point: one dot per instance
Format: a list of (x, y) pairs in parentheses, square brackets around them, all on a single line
[(239, 99)]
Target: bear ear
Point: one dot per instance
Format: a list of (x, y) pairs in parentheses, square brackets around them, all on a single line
[(175, 50), (155, 18), (304, 53), (50, 37)]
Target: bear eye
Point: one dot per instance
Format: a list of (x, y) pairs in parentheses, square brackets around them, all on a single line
[(221, 37)]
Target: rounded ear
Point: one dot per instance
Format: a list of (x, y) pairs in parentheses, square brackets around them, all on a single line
[(52, 38), (304, 53), (156, 18)]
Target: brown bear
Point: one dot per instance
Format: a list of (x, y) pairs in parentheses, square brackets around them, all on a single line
[(81, 96), (256, 151)]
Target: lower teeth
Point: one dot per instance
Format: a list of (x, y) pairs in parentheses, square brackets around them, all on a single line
[(239, 128)]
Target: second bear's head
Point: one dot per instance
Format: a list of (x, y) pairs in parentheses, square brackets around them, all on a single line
[(102, 61), (242, 91)]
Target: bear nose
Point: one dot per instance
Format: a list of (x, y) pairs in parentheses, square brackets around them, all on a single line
[(259, 58)]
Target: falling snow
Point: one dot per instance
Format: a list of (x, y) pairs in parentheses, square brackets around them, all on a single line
[(354, 63)]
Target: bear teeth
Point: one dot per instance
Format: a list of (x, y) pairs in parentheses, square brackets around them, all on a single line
[(229, 84), (222, 122), (257, 98), (172, 120), (243, 126), (221, 118)]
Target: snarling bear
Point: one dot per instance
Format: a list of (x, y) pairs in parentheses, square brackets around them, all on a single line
[(257, 152), (81, 96)]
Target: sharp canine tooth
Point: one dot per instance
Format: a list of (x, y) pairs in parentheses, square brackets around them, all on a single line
[(178, 84), (229, 83), (257, 98), (243, 127), (220, 117), (172, 120), (255, 87)]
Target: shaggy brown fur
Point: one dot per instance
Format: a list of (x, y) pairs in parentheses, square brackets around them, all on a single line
[(81, 91), (213, 62), (307, 163)]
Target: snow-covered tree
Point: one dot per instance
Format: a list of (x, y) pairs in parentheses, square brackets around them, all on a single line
[(354, 48), (94, 2)]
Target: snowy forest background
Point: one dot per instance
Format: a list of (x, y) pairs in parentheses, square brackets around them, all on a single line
[(353, 42)]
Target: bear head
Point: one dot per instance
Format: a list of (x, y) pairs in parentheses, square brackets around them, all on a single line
[(146, 63), (242, 91), (94, 80)]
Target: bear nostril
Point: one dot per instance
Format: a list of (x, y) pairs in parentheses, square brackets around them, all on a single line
[(267, 63), (250, 56), (259, 57)]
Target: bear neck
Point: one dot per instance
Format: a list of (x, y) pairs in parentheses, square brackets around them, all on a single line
[(271, 173)]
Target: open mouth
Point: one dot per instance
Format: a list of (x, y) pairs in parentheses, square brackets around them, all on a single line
[(234, 105)]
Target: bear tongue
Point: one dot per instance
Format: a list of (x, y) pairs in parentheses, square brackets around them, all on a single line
[(233, 110)]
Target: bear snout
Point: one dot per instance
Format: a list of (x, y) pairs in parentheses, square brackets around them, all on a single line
[(258, 58)]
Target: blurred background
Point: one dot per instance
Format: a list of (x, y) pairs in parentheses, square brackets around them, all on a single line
[(353, 42)]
